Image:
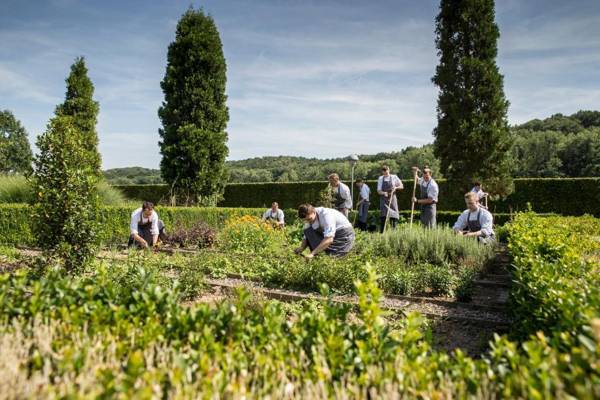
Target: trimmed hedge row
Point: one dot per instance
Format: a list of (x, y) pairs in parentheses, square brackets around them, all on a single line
[(15, 220), (566, 196)]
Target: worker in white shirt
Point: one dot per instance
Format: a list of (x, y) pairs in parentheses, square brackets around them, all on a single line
[(363, 204), (475, 221), (275, 215), (341, 192), (481, 195), (428, 199), (325, 229), (145, 227), (387, 186)]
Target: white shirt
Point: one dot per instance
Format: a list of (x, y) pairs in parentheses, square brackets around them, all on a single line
[(344, 192), (486, 220), (396, 182), (480, 193), (135, 219), (278, 215), (432, 188), (365, 192), (329, 220)]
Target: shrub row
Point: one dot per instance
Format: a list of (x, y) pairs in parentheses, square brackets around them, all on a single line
[(546, 195), (122, 331), (557, 270), (15, 220)]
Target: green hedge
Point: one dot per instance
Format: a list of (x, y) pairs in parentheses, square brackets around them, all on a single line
[(568, 196), (15, 220)]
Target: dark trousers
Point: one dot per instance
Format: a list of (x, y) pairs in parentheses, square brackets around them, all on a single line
[(392, 222)]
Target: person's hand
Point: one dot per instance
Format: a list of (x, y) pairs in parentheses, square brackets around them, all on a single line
[(415, 169), (298, 250), (309, 256), (461, 233), (385, 194), (415, 200), (144, 244)]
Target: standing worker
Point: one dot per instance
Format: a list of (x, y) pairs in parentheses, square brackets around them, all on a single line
[(363, 204), (274, 215), (325, 229), (387, 185), (478, 190), (429, 197), (145, 227), (475, 221), (343, 198)]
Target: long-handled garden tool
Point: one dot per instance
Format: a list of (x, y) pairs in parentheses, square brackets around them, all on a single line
[(412, 200), (389, 207)]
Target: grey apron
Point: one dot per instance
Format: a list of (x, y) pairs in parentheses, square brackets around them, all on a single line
[(428, 211), (340, 201), (342, 241), (475, 226), (144, 230), (384, 202), (363, 212)]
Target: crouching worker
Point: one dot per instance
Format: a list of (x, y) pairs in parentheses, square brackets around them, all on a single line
[(325, 229), (274, 215), (146, 228), (475, 221)]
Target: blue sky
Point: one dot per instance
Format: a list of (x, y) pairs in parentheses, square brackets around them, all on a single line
[(312, 78)]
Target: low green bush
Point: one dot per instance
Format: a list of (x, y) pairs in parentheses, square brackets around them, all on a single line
[(130, 337)]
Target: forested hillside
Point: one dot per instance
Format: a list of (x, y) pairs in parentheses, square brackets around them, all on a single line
[(558, 146)]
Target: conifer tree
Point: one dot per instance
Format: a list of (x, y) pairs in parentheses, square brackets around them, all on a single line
[(80, 105), (472, 138), (194, 114)]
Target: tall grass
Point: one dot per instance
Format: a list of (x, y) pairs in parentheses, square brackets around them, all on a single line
[(420, 245), (17, 189)]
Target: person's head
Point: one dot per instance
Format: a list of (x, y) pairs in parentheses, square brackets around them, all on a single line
[(274, 206), (334, 179), (385, 170), (307, 213), (147, 208), (477, 185), (427, 173), (472, 201), (360, 182)]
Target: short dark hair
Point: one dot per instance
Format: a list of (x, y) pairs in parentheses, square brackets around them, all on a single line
[(476, 183), (147, 205), (359, 180), (385, 168), (304, 210), (274, 204)]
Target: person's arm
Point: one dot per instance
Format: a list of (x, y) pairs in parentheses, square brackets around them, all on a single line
[(398, 184), (461, 223), (303, 246), (325, 243), (281, 218), (154, 228), (487, 223), (432, 195), (134, 232)]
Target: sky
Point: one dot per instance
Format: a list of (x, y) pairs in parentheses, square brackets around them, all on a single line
[(315, 78)]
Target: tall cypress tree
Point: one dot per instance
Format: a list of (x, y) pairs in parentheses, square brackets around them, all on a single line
[(15, 152), (80, 105), (472, 138), (194, 114)]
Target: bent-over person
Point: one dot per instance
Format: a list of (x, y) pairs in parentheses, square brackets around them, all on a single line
[(475, 221), (387, 186), (325, 230), (145, 227), (343, 196), (274, 215)]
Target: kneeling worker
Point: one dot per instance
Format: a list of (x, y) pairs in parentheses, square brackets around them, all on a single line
[(145, 227), (325, 229), (275, 215), (475, 221)]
